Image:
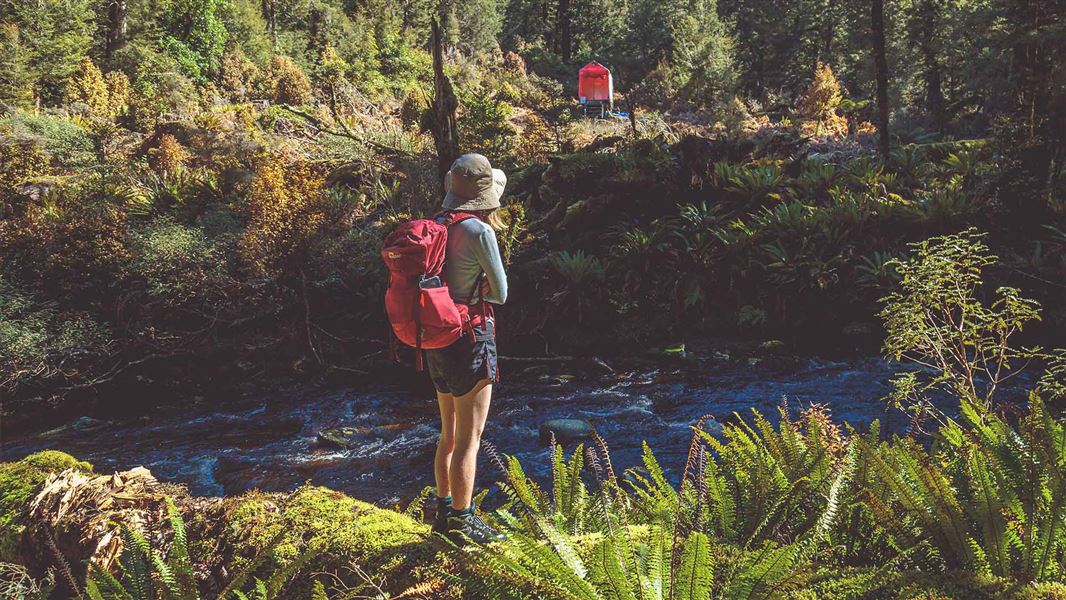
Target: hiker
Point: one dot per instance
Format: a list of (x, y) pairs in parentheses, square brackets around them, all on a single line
[(446, 272), (464, 372)]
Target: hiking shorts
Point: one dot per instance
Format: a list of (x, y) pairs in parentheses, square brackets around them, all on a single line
[(458, 368)]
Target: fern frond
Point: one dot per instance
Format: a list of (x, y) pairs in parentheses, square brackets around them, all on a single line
[(102, 585), (134, 564), (179, 560), (656, 572), (832, 503), (276, 583), (607, 574), (761, 572), (261, 556), (695, 575), (418, 503), (171, 588)]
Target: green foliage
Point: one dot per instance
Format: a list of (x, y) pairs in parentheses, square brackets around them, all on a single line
[(148, 575), (196, 35), (16, 88), (938, 321), (577, 268), (484, 124), (780, 511), (66, 142), (480, 22), (703, 64), (36, 339), (180, 263), (56, 35)]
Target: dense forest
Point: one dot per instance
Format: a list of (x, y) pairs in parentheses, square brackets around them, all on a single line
[(194, 194), (201, 187)]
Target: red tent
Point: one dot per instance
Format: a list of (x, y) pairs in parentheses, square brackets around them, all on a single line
[(594, 85)]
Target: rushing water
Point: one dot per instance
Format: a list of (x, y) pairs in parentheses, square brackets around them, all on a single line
[(271, 443)]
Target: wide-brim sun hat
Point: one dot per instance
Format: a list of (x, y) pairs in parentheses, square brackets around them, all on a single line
[(472, 184)]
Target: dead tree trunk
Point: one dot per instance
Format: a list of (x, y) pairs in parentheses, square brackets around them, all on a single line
[(116, 26), (877, 35), (445, 129)]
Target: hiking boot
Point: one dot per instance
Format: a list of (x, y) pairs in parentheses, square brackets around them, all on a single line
[(465, 526), (440, 517)]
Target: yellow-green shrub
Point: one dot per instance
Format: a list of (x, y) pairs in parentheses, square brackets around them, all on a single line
[(291, 86), (284, 209)]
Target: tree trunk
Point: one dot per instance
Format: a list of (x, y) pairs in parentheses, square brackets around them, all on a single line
[(565, 41), (272, 22), (827, 40), (934, 94), (1038, 123), (445, 128), (877, 35), (116, 29), (315, 43)]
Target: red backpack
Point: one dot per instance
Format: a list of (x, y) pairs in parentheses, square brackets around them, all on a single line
[(419, 305)]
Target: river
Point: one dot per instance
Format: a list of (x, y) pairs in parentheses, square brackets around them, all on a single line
[(271, 442)]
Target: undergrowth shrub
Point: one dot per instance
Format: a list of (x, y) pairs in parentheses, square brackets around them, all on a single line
[(179, 263), (72, 245), (36, 339), (67, 143), (290, 84), (284, 208)]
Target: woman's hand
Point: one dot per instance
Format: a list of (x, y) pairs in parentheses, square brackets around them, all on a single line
[(484, 289)]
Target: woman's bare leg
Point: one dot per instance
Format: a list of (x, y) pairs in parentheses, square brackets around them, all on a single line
[(471, 410), (445, 444)]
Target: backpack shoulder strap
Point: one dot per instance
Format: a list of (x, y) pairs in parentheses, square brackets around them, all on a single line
[(449, 218)]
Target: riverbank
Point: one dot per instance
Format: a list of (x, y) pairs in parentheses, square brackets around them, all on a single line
[(804, 509), (51, 499)]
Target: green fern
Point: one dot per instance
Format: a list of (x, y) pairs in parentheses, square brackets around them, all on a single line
[(761, 576), (695, 575)]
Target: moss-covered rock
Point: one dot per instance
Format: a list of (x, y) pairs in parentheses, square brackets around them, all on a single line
[(341, 530), (19, 483)]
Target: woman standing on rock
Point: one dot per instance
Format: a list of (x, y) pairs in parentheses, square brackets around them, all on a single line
[(463, 373)]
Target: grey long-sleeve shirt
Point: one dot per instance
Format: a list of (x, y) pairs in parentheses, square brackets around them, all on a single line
[(472, 248)]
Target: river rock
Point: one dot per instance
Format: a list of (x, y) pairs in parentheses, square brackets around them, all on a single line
[(80, 425), (567, 431), (337, 437)]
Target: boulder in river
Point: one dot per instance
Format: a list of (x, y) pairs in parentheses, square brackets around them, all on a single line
[(566, 431), (337, 437)]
